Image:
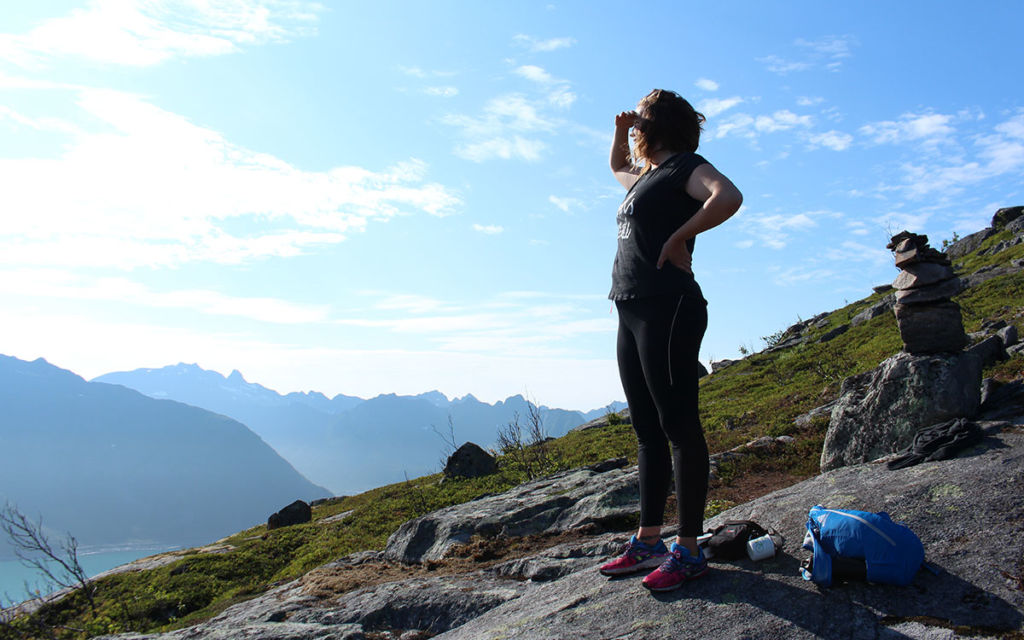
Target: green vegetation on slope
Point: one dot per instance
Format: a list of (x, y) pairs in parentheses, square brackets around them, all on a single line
[(758, 396)]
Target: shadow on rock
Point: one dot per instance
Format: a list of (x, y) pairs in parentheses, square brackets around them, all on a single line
[(943, 600)]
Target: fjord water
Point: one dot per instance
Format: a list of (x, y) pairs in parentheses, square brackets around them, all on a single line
[(13, 575)]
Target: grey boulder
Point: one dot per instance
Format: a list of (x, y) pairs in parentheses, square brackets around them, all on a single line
[(470, 461), (968, 244), (875, 310), (1008, 335), (989, 351), (879, 411), (1005, 216)]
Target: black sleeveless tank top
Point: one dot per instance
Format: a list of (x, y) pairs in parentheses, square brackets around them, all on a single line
[(654, 208)]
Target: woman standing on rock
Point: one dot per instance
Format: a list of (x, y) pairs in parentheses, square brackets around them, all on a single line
[(672, 195)]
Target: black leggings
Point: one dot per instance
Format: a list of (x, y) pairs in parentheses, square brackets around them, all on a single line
[(658, 344)]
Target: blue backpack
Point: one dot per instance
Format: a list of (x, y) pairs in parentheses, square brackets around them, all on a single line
[(892, 553)]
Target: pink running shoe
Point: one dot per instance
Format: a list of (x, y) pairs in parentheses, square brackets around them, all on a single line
[(636, 556), (677, 569)]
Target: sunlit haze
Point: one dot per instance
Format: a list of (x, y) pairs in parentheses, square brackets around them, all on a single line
[(368, 198)]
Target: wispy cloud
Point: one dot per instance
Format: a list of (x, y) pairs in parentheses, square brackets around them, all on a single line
[(714, 106), (781, 66), (801, 274), (706, 85), (746, 125), (444, 92), (139, 185), (535, 73), (504, 148), (512, 112), (148, 32), (752, 127), (834, 140), (408, 303), (774, 230), (781, 121), (895, 221), (1004, 150), (857, 228), (566, 205), (994, 154), (827, 53), (489, 229), (506, 129), (830, 47), (739, 124), (515, 323), (64, 285), (559, 91), (538, 45), (928, 128), (424, 74), (851, 252)]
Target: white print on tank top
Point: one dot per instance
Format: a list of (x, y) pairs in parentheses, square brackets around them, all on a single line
[(624, 213)]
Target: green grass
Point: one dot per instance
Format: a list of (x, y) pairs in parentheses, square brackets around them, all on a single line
[(760, 395)]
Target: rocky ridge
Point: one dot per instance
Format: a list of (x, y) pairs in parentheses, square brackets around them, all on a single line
[(972, 537)]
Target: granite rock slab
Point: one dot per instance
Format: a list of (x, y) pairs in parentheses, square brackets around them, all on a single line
[(554, 504)]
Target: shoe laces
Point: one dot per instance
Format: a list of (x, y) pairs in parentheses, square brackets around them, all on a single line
[(638, 547), (674, 562)]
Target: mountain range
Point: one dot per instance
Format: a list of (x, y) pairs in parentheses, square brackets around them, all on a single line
[(113, 465), (346, 443)]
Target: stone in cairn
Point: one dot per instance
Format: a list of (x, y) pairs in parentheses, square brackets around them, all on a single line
[(929, 321)]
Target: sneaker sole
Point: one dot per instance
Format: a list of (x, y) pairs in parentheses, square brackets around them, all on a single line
[(650, 563), (677, 585)]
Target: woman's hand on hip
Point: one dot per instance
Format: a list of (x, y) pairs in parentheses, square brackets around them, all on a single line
[(677, 253)]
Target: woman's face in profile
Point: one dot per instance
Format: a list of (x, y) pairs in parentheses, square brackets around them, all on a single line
[(638, 124)]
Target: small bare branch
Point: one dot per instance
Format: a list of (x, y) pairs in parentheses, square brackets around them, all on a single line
[(59, 566)]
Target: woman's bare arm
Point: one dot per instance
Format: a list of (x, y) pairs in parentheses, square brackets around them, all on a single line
[(721, 200), (619, 160)]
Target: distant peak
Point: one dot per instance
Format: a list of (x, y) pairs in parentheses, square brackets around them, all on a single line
[(236, 376), (435, 397)]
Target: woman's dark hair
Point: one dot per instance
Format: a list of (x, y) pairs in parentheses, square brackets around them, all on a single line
[(669, 122)]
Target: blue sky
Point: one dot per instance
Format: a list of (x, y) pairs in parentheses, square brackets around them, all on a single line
[(365, 199)]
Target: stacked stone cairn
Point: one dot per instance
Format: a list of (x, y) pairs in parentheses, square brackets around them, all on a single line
[(928, 319)]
